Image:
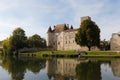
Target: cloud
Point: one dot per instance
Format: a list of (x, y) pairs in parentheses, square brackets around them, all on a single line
[(35, 16), (105, 13)]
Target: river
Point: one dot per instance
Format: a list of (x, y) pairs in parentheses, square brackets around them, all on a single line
[(22, 68)]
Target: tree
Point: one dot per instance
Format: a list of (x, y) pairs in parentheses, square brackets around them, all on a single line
[(18, 39), (36, 41), (8, 48), (15, 42), (88, 34), (105, 45), (43, 43)]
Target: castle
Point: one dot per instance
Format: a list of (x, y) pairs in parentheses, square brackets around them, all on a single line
[(62, 37)]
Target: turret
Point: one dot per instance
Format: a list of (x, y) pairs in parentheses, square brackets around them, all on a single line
[(85, 18), (71, 27), (49, 29), (49, 32)]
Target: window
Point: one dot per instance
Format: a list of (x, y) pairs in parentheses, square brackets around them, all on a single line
[(58, 43)]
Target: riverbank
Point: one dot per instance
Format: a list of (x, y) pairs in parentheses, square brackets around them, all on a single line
[(90, 54), (49, 53)]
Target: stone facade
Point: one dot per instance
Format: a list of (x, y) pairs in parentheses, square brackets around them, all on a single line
[(115, 42), (62, 37)]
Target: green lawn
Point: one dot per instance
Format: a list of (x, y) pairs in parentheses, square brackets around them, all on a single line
[(103, 53), (50, 52), (90, 53)]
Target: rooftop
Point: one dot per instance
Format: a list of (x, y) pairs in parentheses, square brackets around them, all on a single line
[(62, 27)]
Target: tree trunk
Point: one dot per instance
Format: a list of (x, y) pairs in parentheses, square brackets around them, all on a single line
[(89, 48), (16, 53)]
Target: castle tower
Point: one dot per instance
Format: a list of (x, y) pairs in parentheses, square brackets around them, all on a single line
[(49, 35), (85, 18)]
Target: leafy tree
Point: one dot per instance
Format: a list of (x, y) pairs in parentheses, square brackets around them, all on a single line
[(36, 41), (88, 34), (105, 45), (7, 46), (15, 42), (18, 39), (43, 43)]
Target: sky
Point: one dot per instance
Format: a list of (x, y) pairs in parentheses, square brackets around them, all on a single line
[(35, 16)]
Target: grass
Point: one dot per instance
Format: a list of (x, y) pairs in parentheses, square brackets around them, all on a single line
[(102, 53), (41, 53), (69, 53)]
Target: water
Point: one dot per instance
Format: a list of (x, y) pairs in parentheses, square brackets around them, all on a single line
[(12, 68)]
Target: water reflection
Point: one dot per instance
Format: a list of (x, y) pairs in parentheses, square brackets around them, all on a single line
[(61, 69), (17, 66), (70, 69), (116, 67), (88, 71), (22, 68)]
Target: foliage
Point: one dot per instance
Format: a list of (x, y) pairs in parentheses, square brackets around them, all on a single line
[(18, 40), (88, 34), (15, 42), (0, 43), (36, 41), (1, 49), (105, 45), (7, 46)]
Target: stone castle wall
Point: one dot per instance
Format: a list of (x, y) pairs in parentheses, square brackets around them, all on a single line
[(64, 40), (115, 42)]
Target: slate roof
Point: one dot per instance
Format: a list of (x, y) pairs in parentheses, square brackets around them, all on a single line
[(60, 28)]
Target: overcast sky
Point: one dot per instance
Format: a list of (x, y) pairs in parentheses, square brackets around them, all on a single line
[(35, 16)]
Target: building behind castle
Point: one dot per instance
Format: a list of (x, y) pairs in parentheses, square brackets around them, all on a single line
[(115, 42), (62, 37)]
